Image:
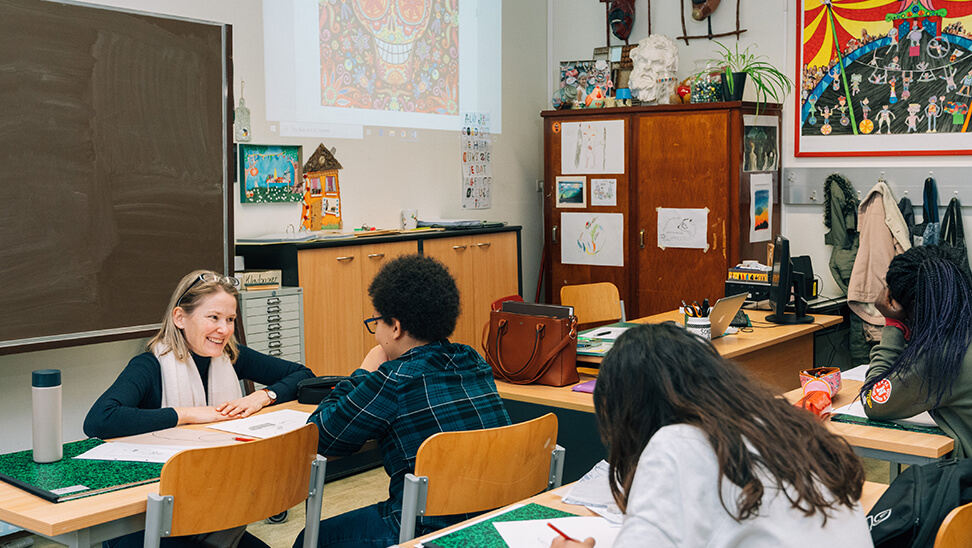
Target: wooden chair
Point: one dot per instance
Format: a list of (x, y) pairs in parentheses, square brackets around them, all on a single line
[(479, 470), (956, 530), (596, 303), (215, 488)]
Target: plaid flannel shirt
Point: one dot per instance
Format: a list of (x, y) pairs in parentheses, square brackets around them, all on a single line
[(438, 387)]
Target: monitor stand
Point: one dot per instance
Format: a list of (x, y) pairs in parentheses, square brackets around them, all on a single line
[(799, 304)]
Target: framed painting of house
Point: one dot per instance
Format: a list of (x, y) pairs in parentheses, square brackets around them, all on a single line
[(883, 77)]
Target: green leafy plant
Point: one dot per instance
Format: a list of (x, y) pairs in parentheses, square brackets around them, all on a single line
[(767, 79)]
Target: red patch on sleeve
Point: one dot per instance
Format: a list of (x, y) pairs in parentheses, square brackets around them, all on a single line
[(881, 391)]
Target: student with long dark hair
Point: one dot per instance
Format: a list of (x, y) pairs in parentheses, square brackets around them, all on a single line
[(702, 455), (923, 362)]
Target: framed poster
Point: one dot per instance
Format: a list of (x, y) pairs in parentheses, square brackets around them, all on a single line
[(269, 173), (883, 77), (571, 192)]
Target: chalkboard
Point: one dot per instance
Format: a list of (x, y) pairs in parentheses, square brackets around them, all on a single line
[(114, 148)]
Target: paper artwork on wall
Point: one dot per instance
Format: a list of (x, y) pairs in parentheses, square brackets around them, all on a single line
[(592, 147), (571, 192), (604, 192), (683, 228), (761, 150), (595, 239), (761, 208), (477, 170), (269, 173)]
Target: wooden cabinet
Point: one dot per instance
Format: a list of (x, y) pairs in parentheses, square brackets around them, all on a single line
[(675, 157), (485, 268), (335, 278), (335, 282)]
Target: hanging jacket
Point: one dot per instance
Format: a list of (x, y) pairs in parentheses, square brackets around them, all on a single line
[(840, 216), (883, 234), (927, 232), (953, 232), (908, 214)]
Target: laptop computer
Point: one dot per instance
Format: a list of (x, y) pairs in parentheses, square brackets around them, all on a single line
[(724, 311)]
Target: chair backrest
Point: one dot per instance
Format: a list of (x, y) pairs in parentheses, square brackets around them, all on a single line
[(956, 530), (215, 488), (593, 303), (477, 470)]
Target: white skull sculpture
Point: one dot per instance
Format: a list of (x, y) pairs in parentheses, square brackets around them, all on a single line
[(655, 64)]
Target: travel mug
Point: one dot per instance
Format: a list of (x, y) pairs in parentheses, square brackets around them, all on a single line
[(409, 219), (46, 402)]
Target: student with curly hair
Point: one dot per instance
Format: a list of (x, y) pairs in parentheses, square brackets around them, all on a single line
[(923, 362), (413, 384), (701, 455)]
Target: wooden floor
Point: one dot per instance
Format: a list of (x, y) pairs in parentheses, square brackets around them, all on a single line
[(370, 487)]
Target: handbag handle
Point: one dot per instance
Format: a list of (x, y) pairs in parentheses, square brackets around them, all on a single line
[(541, 366)]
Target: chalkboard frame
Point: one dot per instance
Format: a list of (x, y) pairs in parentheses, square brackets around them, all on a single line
[(203, 194)]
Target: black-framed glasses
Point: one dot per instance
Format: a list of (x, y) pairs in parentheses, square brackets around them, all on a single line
[(209, 277), (370, 323)]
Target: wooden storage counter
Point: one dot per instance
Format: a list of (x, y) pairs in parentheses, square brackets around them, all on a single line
[(335, 275)]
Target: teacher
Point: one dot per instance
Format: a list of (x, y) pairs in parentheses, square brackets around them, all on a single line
[(192, 368)]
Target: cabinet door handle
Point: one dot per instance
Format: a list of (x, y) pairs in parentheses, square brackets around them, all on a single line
[(458, 247), (273, 318), (484, 244), (273, 309), (641, 239), (553, 234), (345, 258), (275, 335), (376, 255), (273, 300)]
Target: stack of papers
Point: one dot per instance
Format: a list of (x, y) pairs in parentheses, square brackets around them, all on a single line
[(597, 341)]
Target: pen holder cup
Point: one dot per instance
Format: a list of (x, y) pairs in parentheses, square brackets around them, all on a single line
[(701, 327)]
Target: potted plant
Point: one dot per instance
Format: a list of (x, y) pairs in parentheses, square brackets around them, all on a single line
[(737, 65)]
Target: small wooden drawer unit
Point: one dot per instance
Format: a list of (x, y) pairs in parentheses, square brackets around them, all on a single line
[(274, 322)]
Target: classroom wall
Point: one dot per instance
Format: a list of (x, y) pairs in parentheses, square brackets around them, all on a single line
[(378, 180), (576, 29)]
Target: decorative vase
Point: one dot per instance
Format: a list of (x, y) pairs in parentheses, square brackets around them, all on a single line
[(738, 86)]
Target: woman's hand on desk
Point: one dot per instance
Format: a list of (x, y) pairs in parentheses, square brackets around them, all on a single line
[(245, 406), (561, 542), (199, 415)]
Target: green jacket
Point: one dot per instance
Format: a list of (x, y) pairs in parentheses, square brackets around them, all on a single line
[(841, 216), (907, 396)]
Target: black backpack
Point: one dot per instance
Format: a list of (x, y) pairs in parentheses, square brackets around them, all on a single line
[(910, 512)]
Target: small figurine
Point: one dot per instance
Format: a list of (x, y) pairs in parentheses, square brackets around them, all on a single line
[(595, 99)]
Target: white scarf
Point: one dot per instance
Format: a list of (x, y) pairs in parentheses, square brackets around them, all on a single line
[(182, 386)]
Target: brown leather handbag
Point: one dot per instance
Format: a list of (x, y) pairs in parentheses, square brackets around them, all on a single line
[(524, 349)]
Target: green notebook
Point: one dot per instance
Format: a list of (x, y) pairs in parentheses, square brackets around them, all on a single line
[(484, 535), (71, 478), (853, 419)]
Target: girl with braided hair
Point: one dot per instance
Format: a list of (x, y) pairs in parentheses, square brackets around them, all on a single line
[(923, 362)]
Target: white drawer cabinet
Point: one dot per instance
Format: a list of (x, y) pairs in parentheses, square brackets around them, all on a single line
[(273, 320)]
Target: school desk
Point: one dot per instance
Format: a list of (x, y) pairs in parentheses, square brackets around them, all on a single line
[(869, 496), (895, 446), (85, 522), (774, 353)]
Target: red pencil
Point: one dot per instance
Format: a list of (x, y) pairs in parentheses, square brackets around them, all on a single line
[(244, 439), (561, 533)]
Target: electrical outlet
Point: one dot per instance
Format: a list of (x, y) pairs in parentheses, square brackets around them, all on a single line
[(539, 185)]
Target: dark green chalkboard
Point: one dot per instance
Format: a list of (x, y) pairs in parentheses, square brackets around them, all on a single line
[(114, 147)]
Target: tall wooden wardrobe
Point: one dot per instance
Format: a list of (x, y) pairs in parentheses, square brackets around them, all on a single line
[(674, 157)]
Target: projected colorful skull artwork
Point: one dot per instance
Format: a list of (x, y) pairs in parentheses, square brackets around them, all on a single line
[(393, 55)]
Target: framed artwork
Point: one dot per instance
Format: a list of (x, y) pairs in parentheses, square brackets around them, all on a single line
[(571, 192), (761, 144), (269, 173), (883, 77)]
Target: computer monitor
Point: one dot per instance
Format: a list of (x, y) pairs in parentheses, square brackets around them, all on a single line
[(784, 283)]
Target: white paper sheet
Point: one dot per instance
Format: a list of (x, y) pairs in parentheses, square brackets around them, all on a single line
[(537, 533), (132, 452), (609, 333), (858, 373), (592, 239), (594, 492), (592, 147), (264, 425), (857, 409), (604, 192), (684, 228)]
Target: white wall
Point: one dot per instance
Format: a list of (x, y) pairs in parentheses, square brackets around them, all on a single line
[(378, 180)]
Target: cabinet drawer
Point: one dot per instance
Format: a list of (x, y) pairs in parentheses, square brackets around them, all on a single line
[(267, 305), (274, 317), (260, 337), (253, 329)]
